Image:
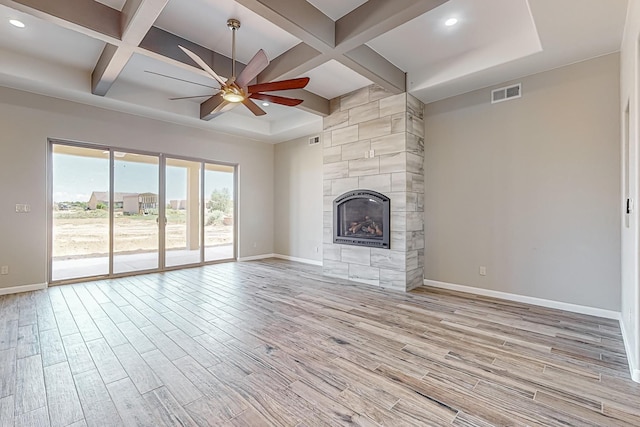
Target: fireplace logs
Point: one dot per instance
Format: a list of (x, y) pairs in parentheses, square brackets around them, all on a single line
[(367, 227)]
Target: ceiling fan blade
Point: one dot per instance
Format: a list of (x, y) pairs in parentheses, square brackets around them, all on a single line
[(253, 107), (279, 85), (212, 106), (182, 80), (254, 67), (289, 102), (203, 65), (189, 97)]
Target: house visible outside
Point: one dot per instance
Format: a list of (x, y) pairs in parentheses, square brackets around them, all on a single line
[(128, 203), (100, 199), (140, 204)]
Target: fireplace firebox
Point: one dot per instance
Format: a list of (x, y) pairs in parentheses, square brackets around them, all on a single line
[(361, 218)]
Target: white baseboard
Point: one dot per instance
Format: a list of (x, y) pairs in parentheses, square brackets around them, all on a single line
[(574, 308), (302, 260), (24, 288), (256, 257), (285, 257), (633, 369)]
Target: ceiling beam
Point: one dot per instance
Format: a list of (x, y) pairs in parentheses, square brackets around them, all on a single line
[(136, 18), (298, 60), (108, 68), (312, 103), (163, 45), (299, 18), (131, 31), (346, 43), (121, 31), (369, 63), (376, 17)]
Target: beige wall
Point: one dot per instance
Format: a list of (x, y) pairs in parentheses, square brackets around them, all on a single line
[(27, 120), (529, 188), (298, 199), (630, 95)]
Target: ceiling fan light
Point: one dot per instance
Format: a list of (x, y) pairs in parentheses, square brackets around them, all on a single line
[(232, 94), (232, 97)]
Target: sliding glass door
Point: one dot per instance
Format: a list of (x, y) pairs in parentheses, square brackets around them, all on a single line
[(80, 212), (183, 231), (219, 193), (117, 212), (136, 190)]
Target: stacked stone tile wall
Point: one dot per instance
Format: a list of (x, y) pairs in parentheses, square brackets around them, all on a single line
[(392, 126)]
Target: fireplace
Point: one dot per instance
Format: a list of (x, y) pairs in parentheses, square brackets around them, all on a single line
[(361, 218)]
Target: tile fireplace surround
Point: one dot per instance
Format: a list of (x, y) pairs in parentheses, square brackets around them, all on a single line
[(375, 140)]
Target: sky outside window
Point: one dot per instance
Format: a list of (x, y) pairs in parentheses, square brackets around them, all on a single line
[(77, 177)]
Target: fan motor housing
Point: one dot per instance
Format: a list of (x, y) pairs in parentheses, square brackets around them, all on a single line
[(233, 24)]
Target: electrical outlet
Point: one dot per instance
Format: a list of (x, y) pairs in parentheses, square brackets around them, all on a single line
[(317, 249), (4, 269), (372, 154), (482, 270)]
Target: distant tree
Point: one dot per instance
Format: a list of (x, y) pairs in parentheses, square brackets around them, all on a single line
[(101, 205), (215, 218), (220, 201)]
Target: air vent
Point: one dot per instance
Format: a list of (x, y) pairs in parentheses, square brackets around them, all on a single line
[(314, 140), (506, 93)]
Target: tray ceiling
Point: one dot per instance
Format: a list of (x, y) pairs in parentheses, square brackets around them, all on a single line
[(493, 41)]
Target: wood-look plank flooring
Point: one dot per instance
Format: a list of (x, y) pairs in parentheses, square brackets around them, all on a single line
[(274, 343)]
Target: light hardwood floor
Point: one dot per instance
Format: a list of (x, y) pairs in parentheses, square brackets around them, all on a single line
[(276, 343)]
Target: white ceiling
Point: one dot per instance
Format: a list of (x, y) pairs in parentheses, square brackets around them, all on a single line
[(205, 22), (333, 79), (468, 47), (336, 9), (45, 40), (494, 41), (116, 4)]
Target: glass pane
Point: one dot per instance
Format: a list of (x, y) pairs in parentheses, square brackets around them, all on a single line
[(219, 207), (135, 212), (182, 233), (80, 232)]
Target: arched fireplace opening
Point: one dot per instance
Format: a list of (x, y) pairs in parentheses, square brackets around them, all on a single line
[(361, 218)]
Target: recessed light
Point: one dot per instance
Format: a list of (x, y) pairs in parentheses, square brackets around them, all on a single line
[(16, 23), (265, 104), (451, 22)]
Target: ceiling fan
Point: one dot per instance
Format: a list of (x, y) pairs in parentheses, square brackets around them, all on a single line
[(236, 89)]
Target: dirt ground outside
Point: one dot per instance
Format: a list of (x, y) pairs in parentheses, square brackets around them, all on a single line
[(81, 234)]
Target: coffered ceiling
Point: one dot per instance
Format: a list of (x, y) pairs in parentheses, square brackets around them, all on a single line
[(116, 53)]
